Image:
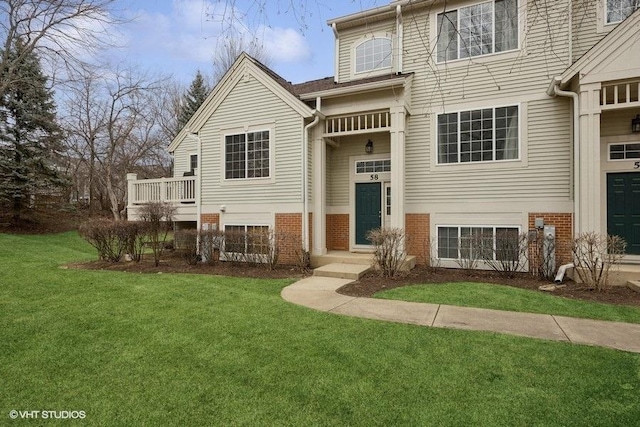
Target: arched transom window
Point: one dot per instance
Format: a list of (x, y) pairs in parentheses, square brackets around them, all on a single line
[(373, 54)]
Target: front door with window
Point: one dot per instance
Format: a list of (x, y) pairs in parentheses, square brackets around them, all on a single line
[(368, 210), (623, 208)]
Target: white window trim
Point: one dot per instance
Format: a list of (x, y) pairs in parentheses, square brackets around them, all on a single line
[(482, 162), (224, 255), (189, 169), (376, 71), (605, 9), (459, 226), (223, 149), (602, 26), (355, 165), (609, 159), (505, 55)]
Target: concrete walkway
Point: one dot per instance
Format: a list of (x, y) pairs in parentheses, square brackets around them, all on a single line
[(320, 293)]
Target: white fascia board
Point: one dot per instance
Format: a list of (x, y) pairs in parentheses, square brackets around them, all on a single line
[(348, 90)]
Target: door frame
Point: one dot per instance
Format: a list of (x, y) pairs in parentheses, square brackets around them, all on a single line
[(383, 178), (607, 210)]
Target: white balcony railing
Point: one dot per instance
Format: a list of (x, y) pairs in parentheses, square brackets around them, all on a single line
[(169, 190), (620, 95)]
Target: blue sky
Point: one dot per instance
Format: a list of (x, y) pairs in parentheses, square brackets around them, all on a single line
[(180, 36)]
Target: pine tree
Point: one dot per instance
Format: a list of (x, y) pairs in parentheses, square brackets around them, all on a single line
[(193, 99), (29, 134)]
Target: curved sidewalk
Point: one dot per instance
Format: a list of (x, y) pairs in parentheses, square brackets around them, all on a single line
[(320, 293)]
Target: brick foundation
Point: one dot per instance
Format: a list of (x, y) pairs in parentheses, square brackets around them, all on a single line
[(288, 227), (212, 218), (564, 234), (338, 232), (417, 229)]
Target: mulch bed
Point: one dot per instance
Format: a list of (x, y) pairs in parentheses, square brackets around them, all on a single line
[(373, 282)]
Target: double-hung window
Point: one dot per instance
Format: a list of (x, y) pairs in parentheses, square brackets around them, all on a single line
[(247, 155), (480, 29), (488, 243), (478, 135), (619, 10)]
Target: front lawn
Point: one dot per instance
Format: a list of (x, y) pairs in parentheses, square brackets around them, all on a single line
[(167, 349), (499, 297)]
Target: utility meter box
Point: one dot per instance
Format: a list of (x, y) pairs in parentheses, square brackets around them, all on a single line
[(549, 250)]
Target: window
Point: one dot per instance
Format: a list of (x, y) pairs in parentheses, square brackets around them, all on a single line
[(247, 155), (477, 30), (193, 162), (246, 239), (478, 135), (477, 242), (373, 166), (373, 54), (624, 151), (619, 10)]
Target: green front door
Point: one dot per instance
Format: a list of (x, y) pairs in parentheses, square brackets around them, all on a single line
[(368, 210), (623, 208)]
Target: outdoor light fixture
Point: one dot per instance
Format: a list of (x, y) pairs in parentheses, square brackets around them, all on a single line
[(369, 147), (635, 124)]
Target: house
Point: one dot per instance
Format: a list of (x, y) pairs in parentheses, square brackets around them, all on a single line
[(445, 119)]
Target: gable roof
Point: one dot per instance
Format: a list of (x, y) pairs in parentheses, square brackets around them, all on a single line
[(243, 66), (612, 58)]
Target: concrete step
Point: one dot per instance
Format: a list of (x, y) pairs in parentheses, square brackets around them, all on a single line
[(342, 271), (634, 284), (341, 258)]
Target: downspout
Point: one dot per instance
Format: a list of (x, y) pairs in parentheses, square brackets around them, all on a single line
[(336, 55), (400, 32), (554, 90), (199, 182), (305, 176)]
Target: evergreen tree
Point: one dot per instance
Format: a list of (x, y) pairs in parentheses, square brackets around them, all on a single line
[(29, 134), (193, 99)]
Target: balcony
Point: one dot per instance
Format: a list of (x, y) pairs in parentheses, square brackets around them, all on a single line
[(180, 192)]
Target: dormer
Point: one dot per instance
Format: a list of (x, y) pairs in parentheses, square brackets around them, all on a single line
[(367, 43)]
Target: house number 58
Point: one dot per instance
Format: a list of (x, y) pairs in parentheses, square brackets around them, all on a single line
[(374, 177)]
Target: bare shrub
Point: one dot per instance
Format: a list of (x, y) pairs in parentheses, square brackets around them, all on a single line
[(389, 254), (594, 255), (542, 251), (510, 253), (186, 244), (158, 217), (136, 239), (109, 237), (211, 241), (474, 247)]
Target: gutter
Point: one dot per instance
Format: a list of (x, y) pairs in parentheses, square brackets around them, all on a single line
[(554, 90), (305, 174)]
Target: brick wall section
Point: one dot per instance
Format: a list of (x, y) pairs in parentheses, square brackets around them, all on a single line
[(417, 229), (288, 227), (564, 233), (212, 218), (338, 232)]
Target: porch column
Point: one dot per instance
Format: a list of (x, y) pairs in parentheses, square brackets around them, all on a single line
[(397, 166), (319, 178), (588, 207)]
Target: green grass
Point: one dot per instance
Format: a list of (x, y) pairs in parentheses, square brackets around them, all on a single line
[(499, 297), (164, 349)]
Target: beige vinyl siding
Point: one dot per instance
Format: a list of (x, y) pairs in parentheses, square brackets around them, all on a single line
[(338, 164), (617, 123), (347, 40), (585, 28), (181, 156), (251, 104), (495, 80)]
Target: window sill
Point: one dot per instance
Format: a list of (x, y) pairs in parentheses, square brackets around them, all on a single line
[(480, 166), (490, 57)]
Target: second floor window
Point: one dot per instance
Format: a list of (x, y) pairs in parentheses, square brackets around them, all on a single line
[(478, 135), (373, 54), (247, 155), (477, 30), (619, 10)]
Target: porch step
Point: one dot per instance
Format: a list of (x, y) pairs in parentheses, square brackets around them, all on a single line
[(341, 257), (634, 284), (342, 271)]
